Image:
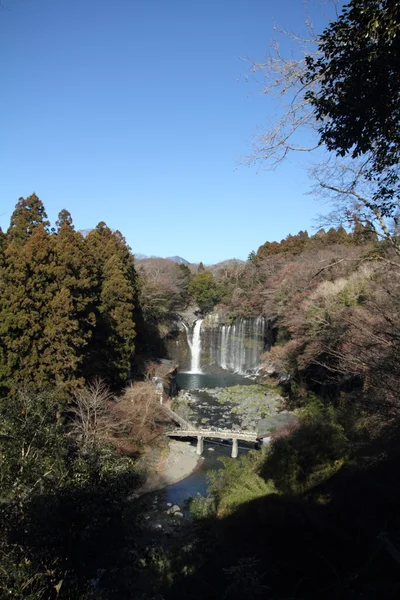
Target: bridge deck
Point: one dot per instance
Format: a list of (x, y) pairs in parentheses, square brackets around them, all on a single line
[(248, 436)]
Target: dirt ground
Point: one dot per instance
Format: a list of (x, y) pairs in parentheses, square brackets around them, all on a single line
[(180, 462)]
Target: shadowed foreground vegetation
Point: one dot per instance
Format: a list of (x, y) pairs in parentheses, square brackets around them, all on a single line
[(329, 531)]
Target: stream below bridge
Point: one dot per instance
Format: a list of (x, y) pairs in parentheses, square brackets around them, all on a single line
[(206, 408)]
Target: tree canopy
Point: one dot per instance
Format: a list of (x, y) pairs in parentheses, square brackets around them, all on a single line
[(68, 304), (358, 68), (204, 290), (357, 97)]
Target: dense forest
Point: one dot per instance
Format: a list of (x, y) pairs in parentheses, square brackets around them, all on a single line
[(83, 324), (68, 303)]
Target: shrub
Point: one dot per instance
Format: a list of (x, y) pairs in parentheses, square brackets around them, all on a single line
[(238, 482), (310, 454)]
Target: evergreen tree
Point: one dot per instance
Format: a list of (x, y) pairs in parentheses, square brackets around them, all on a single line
[(184, 278), (45, 307), (70, 319), (363, 233), (3, 244), (117, 309), (67, 307), (28, 290), (205, 290), (29, 212), (112, 347)]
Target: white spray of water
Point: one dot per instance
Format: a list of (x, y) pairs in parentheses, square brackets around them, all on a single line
[(194, 342)]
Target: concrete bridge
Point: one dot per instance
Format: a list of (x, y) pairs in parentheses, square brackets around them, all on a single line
[(200, 434)]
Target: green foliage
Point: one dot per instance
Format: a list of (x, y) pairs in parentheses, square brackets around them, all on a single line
[(112, 345), (29, 288), (28, 214), (204, 290), (71, 319), (62, 505), (68, 305), (237, 483), (202, 507), (357, 98), (359, 89), (184, 278), (309, 454), (33, 446)]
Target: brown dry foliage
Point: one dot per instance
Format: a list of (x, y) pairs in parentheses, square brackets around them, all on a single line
[(345, 326), (130, 423), (139, 415)]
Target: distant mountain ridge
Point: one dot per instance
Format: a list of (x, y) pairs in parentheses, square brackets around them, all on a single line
[(182, 261), (178, 259)]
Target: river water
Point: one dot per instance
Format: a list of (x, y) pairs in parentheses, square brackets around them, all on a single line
[(197, 381)]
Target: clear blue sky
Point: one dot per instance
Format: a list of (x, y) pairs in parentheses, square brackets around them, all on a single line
[(137, 112)]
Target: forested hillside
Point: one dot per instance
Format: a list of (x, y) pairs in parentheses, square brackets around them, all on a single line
[(332, 299)]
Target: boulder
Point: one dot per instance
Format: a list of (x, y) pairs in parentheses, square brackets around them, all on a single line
[(174, 509)]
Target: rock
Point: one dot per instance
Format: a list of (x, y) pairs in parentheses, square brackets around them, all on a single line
[(169, 504), (211, 449), (178, 514), (174, 509)]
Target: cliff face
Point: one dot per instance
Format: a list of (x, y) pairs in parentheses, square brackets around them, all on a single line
[(178, 348)]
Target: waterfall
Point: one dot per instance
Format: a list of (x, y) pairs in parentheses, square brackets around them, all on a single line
[(238, 347), (195, 346)]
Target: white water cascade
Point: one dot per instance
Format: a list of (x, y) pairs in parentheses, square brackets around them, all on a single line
[(238, 347), (194, 342)]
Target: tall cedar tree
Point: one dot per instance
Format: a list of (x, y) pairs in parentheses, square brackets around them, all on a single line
[(112, 345), (70, 318), (28, 289), (29, 212)]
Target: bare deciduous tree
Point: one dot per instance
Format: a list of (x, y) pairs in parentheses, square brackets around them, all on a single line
[(134, 419), (140, 413), (92, 422), (284, 71), (347, 183)]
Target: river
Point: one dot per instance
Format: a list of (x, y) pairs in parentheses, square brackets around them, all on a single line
[(196, 483)]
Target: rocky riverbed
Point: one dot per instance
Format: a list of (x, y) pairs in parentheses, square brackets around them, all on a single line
[(239, 406)]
